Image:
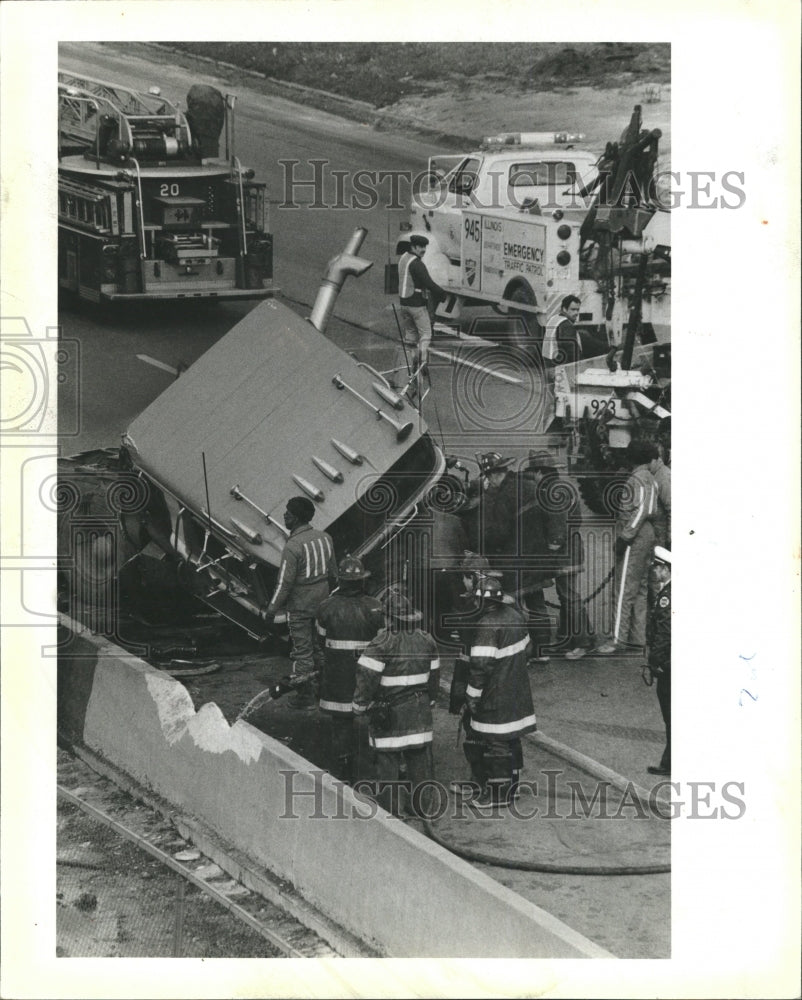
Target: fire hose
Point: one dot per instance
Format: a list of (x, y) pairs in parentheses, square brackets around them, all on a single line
[(590, 597), (282, 687), (541, 866), (537, 866)]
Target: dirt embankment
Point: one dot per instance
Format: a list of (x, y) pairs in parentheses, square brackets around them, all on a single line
[(459, 92), (385, 73)]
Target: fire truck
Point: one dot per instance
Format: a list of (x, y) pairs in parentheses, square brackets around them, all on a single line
[(147, 209)]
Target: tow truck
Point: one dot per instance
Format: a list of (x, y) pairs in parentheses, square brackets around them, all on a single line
[(530, 218)]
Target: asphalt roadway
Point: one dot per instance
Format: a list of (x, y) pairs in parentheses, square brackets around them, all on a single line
[(599, 707)]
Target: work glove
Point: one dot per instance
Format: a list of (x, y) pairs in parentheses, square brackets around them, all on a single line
[(471, 705)]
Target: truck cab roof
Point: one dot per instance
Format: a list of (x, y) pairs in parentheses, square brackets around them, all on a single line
[(261, 406), (510, 176)]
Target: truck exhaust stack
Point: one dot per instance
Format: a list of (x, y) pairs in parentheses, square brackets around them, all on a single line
[(340, 267)]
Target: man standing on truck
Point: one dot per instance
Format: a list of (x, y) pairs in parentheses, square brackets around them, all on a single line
[(561, 342), (416, 325), (307, 570)]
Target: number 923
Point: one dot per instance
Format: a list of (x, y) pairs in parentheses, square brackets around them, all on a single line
[(599, 406)]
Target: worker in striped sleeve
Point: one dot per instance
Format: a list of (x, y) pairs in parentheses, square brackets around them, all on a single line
[(307, 571), (397, 680), (346, 622), (498, 698), (637, 506)]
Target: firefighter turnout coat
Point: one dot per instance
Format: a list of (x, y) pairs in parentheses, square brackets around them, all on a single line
[(399, 673), (498, 690), (346, 623)]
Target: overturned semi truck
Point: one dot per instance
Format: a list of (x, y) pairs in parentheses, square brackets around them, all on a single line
[(201, 480)]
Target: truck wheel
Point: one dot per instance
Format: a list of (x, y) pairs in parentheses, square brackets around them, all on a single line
[(530, 339)]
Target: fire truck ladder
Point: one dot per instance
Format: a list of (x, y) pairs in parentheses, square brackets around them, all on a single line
[(83, 101)]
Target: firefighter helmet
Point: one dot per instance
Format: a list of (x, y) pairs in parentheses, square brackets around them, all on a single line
[(491, 461), (351, 568), (489, 588), (397, 606)]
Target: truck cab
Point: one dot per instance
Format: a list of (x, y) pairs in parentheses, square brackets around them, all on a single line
[(502, 176)]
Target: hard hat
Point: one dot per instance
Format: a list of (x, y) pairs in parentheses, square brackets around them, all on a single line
[(491, 461), (418, 241), (351, 568), (489, 589), (397, 606), (662, 555)]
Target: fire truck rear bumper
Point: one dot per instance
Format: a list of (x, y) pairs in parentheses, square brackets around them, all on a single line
[(223, 293)]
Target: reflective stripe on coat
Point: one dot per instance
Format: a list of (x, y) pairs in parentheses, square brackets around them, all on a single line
[(639, 504), (346, 623), (401, 668), (499, 680)]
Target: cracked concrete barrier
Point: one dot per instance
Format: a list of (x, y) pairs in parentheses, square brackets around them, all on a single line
[(378, 878)]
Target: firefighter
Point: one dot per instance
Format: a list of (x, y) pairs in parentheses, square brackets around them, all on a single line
[(397, 681), (346, 622), (635, 539), (414, 282), (498, 700), (555, 514), (504, 522), (305, 575), (492, 511), (472, 566), (658, 638)]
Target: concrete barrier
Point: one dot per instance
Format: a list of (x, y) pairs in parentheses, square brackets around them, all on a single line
[(381, 880)]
